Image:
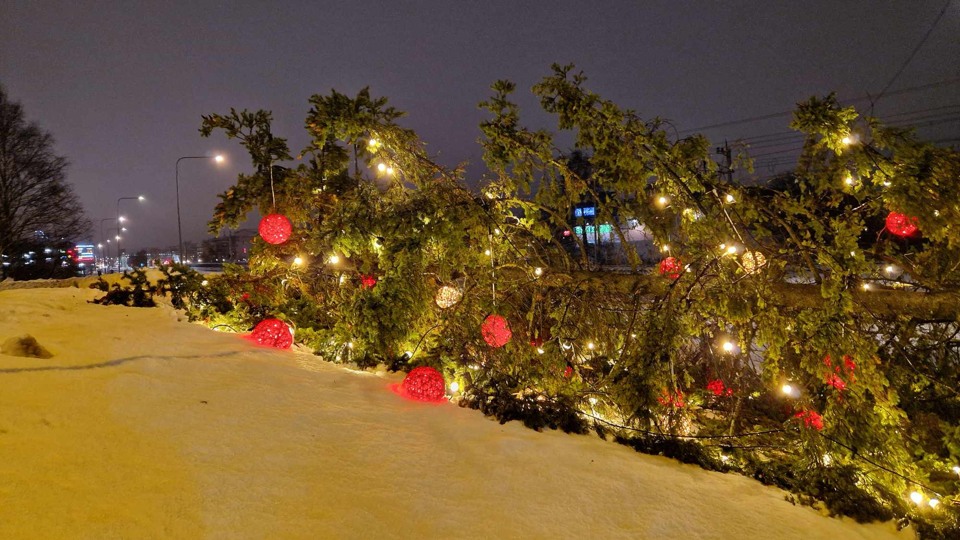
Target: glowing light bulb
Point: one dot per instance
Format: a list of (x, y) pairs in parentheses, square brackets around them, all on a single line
[(350, 345), (934, 503), (732, 250), (204, 283), (538, 271), (846, 141), (848, 180), (496, 231), (390, 171), (662, 201), (956, 469), (297, 261), (666, 247), (593, 401), (381, 167), (889, 269), (590, 345), (372, 142), (540, 350), (486, 252), (724, 458), (730, 198), (218, 158), (865, 286), (787, 389), (916, 497), (454, 387), (827, 459), (728, 346), (334, 259)]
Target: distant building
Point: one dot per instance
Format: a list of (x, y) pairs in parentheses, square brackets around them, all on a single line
[(231, 246)]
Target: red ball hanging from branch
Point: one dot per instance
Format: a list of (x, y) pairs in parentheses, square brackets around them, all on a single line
[(368, 281), (902, 225), (273, 333), (496, 331), (810, 419), (670, 267), (275, 228), (718, 388), (423, 384)]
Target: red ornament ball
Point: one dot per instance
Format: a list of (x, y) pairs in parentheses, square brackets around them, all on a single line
[(423, 384), (496, 331), (368, 281), (810, 419), (718, 388), (275, 228), (273, 333), (901, 224), (670, 267)]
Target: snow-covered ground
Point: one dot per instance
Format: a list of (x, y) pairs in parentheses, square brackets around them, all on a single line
[(144, 426)]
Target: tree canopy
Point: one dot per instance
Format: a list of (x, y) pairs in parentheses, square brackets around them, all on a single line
[(37, 204)]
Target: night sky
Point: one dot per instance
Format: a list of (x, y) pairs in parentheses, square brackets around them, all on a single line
[(122, 85)]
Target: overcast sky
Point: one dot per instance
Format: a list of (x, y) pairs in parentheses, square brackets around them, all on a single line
[(122, 85)]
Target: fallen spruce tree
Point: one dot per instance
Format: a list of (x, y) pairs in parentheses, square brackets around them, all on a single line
[(803, 331)]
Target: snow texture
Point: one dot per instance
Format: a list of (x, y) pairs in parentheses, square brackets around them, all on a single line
[(145, 426)]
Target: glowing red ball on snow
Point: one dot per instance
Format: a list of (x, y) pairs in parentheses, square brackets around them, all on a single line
[(496, 331), (273, 333), (422, 384), (901, 224), (275, 228), (670, 267)]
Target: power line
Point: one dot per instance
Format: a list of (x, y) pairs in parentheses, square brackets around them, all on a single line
[(908, 90), (888, 119), (915, 51)]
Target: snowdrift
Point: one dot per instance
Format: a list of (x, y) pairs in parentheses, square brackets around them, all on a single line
[(141, 425)]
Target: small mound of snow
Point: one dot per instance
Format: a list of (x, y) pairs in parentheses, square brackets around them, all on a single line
[(25, 346)]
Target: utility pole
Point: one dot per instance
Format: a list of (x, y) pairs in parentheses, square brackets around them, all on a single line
[(726, 168)]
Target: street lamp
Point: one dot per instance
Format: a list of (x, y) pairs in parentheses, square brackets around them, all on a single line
[(219, 159), (104, 238), (116, 236), (140, 198)]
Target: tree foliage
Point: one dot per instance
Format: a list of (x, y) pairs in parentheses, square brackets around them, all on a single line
[(37, 205), (691, 365)]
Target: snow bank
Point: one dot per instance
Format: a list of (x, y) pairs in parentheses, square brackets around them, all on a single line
[(145, 426)]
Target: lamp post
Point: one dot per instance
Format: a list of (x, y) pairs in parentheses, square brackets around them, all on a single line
[(105, 239), (119, 219), (219, 159)]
